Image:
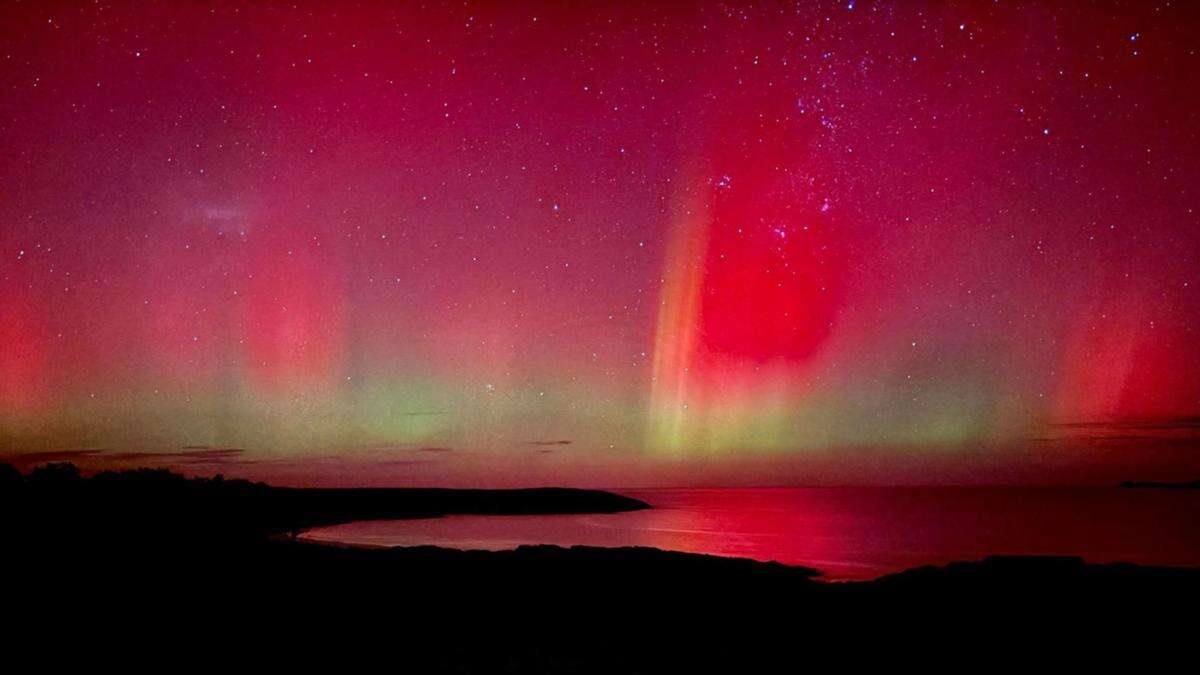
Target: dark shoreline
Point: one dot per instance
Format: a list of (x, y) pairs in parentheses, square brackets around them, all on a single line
[(201, 555), (991, 564), (57, 498)]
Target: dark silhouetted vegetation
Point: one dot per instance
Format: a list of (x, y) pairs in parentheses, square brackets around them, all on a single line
[(9, 473), (55, 472)]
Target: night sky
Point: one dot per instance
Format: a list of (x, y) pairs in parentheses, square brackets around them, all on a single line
[(603, 243)]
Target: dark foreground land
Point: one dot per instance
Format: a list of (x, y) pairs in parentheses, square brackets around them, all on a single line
[(145, 558)]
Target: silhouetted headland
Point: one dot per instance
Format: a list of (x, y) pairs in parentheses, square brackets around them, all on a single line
[(56, 498)]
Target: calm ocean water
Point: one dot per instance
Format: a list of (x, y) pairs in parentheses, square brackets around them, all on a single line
[(847, 533)]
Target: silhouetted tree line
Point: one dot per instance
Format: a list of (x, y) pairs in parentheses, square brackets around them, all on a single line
[(55, 471), (67, 472), (9, 473)]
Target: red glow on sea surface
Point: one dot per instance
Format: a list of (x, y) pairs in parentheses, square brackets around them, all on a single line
[(847, 533)]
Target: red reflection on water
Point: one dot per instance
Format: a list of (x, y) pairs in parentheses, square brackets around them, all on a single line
[(848, 533)]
